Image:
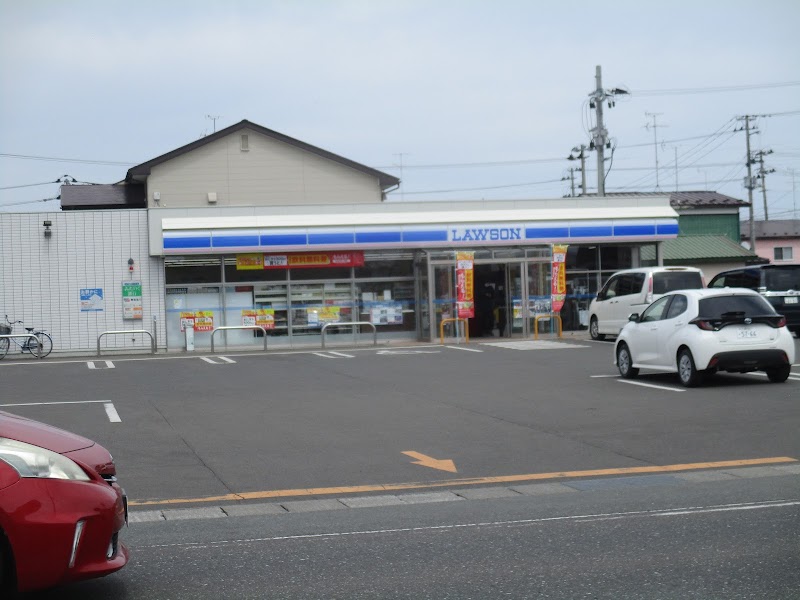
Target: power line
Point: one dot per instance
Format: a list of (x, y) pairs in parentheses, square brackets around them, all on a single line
[(69, 160), (495, 187), (712, 90), (29, 202), (16, 187)]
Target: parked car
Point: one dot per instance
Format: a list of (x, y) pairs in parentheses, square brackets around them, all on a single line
[(61, 509), (780, 284), (696, 333), (630, 291)]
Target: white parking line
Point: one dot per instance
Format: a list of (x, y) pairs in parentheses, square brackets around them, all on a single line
[(211, 361), (651, 385), (342, 354), (598, 376), (464, 349), (49, 403), (112, 413), (109, 364)]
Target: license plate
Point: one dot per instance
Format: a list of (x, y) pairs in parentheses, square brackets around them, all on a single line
[(790, 299), (747, 333)]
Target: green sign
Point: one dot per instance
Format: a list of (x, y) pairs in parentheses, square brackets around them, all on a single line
[(132, 300)]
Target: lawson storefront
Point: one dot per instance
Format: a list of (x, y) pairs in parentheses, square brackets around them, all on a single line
[(403, 267)]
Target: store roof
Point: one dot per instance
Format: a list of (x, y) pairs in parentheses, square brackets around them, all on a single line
[(94, 197), (140, 172)]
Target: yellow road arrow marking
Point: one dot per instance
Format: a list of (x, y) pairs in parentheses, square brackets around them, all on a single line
[(427, 461)]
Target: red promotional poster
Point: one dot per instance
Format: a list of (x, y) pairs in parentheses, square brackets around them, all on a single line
[(558, 291), (465, 285)]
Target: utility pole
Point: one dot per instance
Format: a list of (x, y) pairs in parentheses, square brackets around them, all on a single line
[(762, 175), (400, 156), (572, 181), (581, 150), (748, 183), (676, 168), (655, 139), (600, 140)]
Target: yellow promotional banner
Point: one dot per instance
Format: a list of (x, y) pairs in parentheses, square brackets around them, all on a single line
[(558, 277), (249, 262), (204, 320)]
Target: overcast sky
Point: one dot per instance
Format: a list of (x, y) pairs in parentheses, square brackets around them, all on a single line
[(449, 89)]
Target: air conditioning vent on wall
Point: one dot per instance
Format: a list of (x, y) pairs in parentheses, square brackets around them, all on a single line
[(212, 197)]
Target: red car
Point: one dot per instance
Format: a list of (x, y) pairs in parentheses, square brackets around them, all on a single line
[(61, 509)]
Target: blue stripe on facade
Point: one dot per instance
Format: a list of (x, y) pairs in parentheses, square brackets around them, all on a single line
[(439, 235), (667, 229), (591, 232), (546, 232), (634, 230), (319, 239), (378, 237), (187, 242), (230, 241), (287, 239)]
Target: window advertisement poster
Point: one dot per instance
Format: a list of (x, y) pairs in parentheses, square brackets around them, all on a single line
[(558, 278), (386, 313), (204, 320), (465, 284), (92, 300), (187, 321), (261, 317), (132, 300)]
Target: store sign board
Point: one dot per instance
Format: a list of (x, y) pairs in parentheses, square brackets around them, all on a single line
[(132, 300), (465, 282), (299, 260)]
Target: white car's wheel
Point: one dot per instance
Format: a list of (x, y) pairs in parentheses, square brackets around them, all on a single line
[(625, 362), (687, 371), (779, 374), (594, 330)]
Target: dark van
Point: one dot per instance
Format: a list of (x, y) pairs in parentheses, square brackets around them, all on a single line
[(780, 284)]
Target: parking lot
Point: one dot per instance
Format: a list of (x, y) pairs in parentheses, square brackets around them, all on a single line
[(186, 430)]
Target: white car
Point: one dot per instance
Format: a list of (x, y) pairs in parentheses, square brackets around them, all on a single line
[(698, 332), (631, 290)]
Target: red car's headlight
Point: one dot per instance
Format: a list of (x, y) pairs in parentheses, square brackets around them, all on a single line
[(32, 461)]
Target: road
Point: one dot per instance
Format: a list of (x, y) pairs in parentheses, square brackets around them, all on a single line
[(328, 475)]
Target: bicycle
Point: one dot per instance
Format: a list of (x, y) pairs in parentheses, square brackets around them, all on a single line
[(39, 346)]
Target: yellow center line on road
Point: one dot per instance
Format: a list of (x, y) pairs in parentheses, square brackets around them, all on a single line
[(421, 485)]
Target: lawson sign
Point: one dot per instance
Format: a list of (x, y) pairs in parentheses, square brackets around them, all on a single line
[(495, 233)]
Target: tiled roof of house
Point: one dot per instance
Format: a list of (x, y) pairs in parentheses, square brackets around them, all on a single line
[(691, 199), (783, 228)]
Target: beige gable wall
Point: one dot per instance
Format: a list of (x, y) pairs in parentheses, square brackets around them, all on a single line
[(270, 173)]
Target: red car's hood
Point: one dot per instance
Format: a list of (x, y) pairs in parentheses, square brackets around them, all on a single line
[(40, 434)]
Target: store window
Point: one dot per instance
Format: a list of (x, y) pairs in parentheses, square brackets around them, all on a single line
[(180, 270)]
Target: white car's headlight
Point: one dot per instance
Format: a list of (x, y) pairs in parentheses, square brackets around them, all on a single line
[(32, 461)]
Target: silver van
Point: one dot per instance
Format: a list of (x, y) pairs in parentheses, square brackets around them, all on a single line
[(631, 291)]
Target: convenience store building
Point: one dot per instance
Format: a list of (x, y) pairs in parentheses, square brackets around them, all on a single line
[(249, 226)]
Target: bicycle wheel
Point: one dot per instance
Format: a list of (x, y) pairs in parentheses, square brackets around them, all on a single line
[(46, 342), (4, 343)]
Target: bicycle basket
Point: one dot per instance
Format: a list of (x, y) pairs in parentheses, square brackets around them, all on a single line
[(5, 330)]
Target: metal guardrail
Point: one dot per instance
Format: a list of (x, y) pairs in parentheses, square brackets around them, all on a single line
[(455, 320), (548, 317), (128, 332), (26, 335), (350, 324), (228, 327)]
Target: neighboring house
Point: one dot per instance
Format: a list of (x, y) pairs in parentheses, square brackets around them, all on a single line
[(776, 241), (709, 234)]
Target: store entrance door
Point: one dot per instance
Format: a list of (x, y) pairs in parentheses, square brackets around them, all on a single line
[(498, 301)]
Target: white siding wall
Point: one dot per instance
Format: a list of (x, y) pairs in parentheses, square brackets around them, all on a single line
[(41, 278), (269, 173)]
